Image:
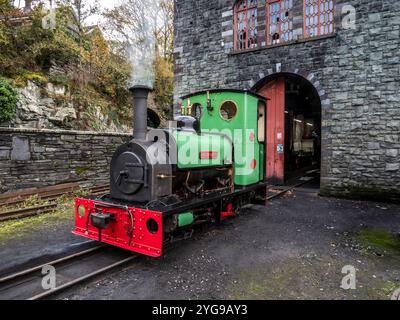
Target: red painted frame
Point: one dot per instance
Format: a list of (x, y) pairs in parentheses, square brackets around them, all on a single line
[(268, 4), (236, 11), (319, 19), (119, 232), (267, 8), (268, 17)]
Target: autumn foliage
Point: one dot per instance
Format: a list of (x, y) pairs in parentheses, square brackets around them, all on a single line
[(93, 69)]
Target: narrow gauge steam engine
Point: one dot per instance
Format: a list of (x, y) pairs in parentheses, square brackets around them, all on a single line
[(164, 182)]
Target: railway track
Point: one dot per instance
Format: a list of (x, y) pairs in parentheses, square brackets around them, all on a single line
[(43, 209), (49, 194), (69, 271), (27, 212), (280, 192), (82, 266)]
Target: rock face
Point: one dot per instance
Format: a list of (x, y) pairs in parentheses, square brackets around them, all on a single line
[(36, 109), (49, 107), (355, 72)]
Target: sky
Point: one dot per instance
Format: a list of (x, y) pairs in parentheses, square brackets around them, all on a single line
[(104, 4)]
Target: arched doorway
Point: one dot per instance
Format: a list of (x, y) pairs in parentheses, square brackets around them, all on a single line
[(293, 126)]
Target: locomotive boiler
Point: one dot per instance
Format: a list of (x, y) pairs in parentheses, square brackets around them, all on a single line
[(149, 167), (202, 169)]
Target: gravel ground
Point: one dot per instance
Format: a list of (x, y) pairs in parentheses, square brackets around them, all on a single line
[(293, 249)]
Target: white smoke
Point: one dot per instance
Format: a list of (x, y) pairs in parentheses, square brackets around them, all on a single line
[(136, 25), (141, 52)]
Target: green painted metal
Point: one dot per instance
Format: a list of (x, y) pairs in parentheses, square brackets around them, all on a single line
[(193, 150), (185, 219), (241, 129)]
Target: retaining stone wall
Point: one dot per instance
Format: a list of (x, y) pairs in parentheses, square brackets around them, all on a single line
[(38, 158)]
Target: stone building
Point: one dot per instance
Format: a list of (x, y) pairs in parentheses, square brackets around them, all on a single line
[(330, 68)]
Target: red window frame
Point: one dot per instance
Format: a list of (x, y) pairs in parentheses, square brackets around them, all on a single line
[(269, 3), (306, 35), (236, 13)]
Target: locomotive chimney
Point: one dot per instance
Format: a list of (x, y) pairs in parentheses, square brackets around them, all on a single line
[(140, 96)]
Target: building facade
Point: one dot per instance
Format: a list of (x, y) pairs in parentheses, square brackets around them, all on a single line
[(337, 61)]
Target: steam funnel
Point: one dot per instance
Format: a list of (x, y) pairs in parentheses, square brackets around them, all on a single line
[(140, 96)]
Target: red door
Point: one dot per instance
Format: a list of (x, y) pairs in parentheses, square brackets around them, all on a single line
[(275, 92)]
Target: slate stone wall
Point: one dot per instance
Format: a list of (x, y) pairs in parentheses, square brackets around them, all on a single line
[(38, 158), (356, 73)]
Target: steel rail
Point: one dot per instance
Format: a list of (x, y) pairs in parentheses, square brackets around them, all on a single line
[(47, 195), (42, 209), (82, 279), (281, 193), (27, 212), (55, 262)]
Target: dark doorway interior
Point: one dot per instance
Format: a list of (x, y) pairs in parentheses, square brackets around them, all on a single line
[(302, 127)]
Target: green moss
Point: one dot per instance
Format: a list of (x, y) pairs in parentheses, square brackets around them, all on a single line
[(377, 289), (388, 288), (80, 170), (37, 78), (16, 229), (265, 282), (310, 278), (22, 76), (379, 240)]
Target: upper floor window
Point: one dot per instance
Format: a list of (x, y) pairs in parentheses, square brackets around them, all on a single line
[(246, 12), (279, 25), (318, 17), (280, 21)]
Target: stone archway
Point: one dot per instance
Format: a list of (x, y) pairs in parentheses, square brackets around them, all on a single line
[(272, 73), (294, 122)]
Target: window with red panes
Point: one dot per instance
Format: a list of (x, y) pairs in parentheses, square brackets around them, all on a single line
[(318, 20), (279, 21), (318, 17), (246, 12)]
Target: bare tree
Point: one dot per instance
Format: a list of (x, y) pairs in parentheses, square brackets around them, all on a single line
[(136, 20), (165, 33), (145, 26), (28, 5), (82, 11)]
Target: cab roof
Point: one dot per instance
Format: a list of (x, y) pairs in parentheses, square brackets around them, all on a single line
[(251, 93)]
